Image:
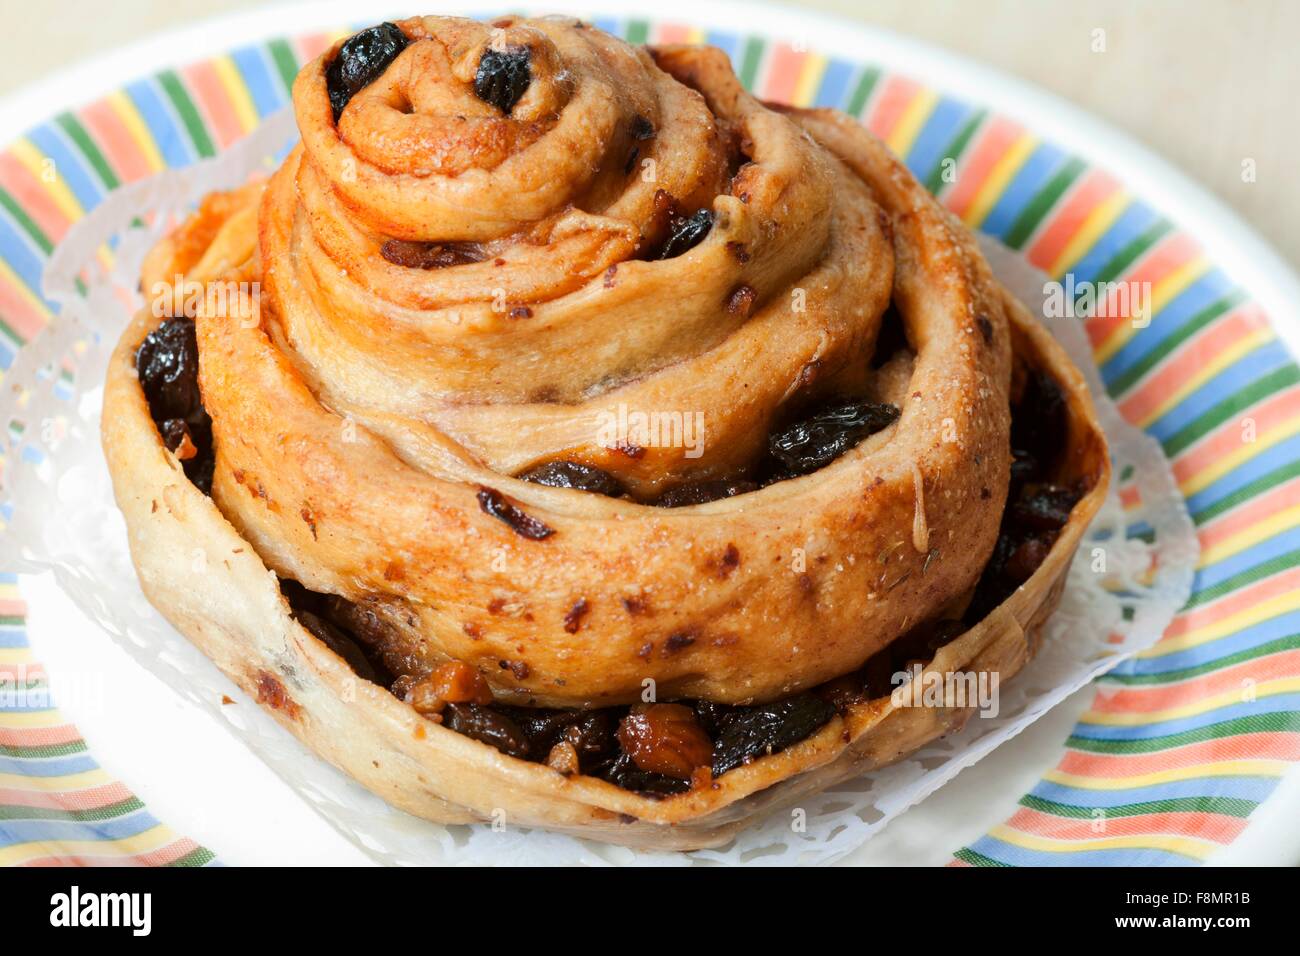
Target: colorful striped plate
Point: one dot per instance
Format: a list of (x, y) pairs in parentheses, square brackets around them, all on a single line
[(1166, 762)]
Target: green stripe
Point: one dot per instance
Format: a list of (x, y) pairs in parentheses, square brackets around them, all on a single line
[(934, 182), (199, 857), (180, 100), (1277, 476), (638, 31), (1130, 376), (749, 62), (1278, 646), (1259, 572), (286, 64), (1225, 806), (26, 221), (44, 750), (77, 133), (1255, 724), (1046, 198), (862, 92), (1228, 408), (1119, 263), (11, 620), (967, 855), (109, 812)]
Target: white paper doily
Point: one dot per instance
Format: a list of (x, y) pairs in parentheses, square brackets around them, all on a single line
[(57, 499)]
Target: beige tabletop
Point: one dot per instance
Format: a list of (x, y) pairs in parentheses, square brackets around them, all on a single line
[(1210, 84)]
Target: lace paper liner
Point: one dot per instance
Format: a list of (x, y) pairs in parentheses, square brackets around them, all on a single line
[(56, 495)]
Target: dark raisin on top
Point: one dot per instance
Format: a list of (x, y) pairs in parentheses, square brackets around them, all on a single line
[(576, 475), (642, 128), (744, 733), (816, 441), (686, 232), (503, 77), (167, 363), (702, 492), (521, 523), (360, 61)]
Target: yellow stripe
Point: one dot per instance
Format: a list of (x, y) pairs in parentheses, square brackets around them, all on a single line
[(15, 655), (34, 161), (1156, 841), (1227, 768), (1274, 525), (1248, 617), (1094, 226), (1271, 688), (68, 781), (696, 35), (155, 838), (909, 124), (810, 77), (1003, 170), (130, 117), (32, 719), (1217, 363), (237, 90), (1233, 460)]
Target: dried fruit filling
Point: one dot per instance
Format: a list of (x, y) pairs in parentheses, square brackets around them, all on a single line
[(665, 748)]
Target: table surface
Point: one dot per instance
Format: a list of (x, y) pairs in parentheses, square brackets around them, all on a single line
[(1206, 83)]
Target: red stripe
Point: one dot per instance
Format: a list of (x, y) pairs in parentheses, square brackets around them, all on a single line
[(123, 153), (1257, 746), (783, 73), (895, 95), (997, 137), (1217, 827), (1147, 700), (211, 97), (1095, 187), (33, 196)]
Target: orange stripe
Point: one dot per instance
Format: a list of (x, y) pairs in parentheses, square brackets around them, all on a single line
[(13, 607), (1096, 186), (892, 102), (120, 149), (311, 46), (1146, 700), (211, 98), (1220, 828), (1256, 746), (92, 798), (673, 33), (161, 857), (1277, 410), (38, 736), (1130, 497), (33, 197), (783, 70), (1171, 253), (998, 136), (1188, 360), (15, 672)]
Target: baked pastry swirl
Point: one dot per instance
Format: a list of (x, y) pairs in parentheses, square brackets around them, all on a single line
[(607, 433)]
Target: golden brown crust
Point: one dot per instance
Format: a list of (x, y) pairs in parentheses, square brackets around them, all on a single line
[(356, 425)]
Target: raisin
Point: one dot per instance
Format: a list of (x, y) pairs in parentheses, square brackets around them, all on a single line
[(574, 474), (338, 642), (700, 492), (768, 729), (685, 233), (1043, 507), (623, 772), (503, 77), (1038, 428), (642, 128), (360, 61), (590, 732), (665, 739), (525, 525), (167, 364), (818, 440), (487, 726), (430, 255)]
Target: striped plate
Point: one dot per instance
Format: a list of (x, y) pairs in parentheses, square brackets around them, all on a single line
[(1181, 744)]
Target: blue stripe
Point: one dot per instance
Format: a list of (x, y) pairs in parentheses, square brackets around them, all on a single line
[(835, 83), (1284, 625), (1275, 704), (1283, 453), (251, 61), (1254, 789), (23, 257), (71, 165), (1246, 371), (936, 135), (47, 766), (728, 43), (1019, 856), (174, 147), (56, 831), (1024, 186)]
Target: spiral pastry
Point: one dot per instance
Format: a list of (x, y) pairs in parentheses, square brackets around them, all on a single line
[(580, 381)]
